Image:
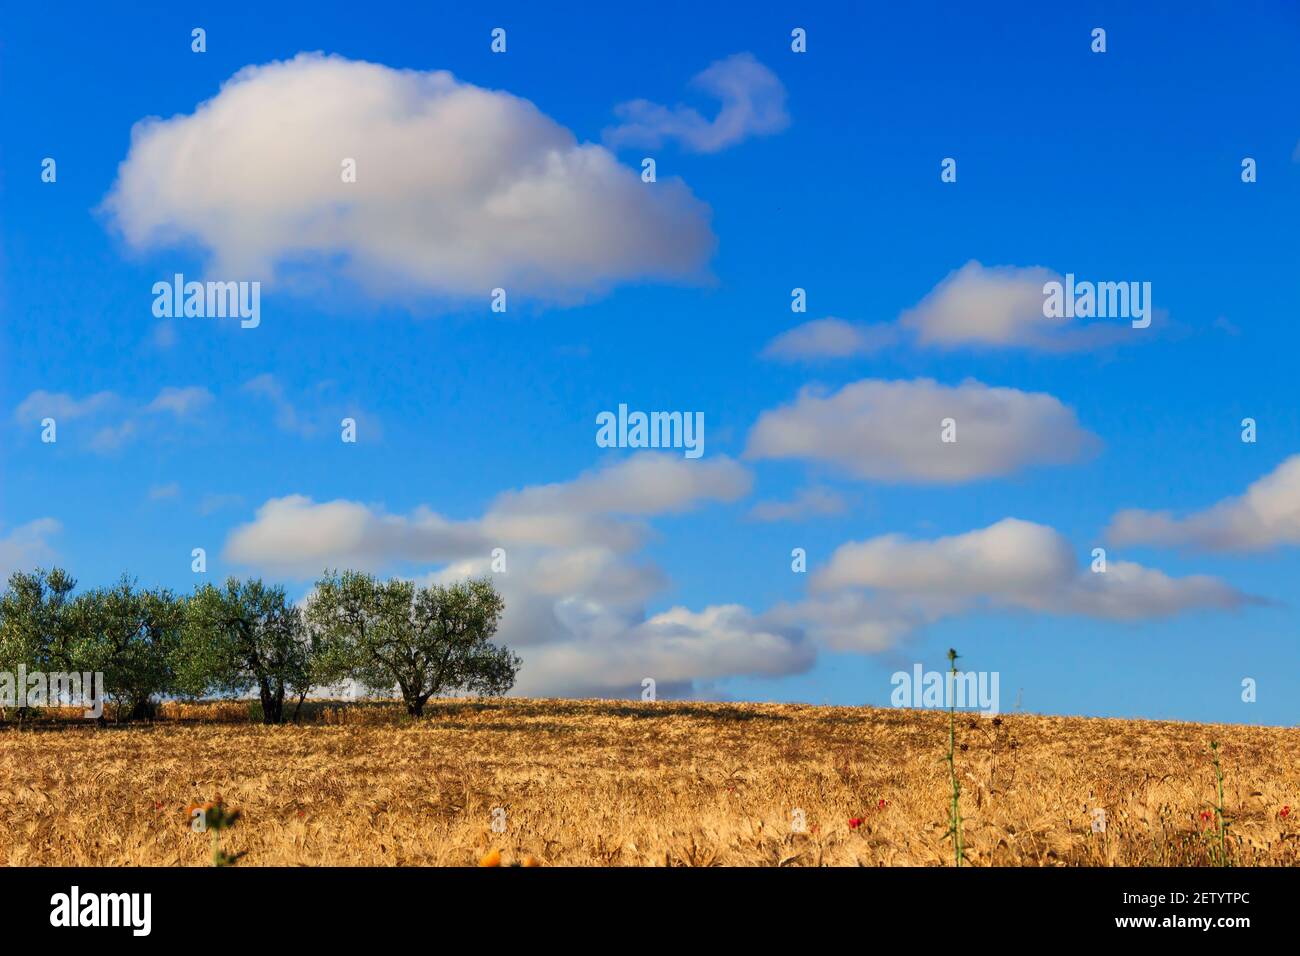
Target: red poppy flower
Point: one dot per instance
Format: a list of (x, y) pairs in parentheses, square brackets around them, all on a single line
[(1286, 812), (855, 823), (881, 804)]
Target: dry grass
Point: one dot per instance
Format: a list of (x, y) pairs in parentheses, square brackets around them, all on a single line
[(601, 783)]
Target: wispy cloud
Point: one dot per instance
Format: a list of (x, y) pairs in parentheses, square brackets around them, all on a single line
[(116, 420), (812, 502), (752, 104), (27, 546)]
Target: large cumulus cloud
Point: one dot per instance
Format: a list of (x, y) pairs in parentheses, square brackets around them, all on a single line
[(459, 189)]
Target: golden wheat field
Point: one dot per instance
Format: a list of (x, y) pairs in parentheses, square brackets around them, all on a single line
[(602, 783)]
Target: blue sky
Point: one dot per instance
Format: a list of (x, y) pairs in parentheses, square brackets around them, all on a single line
[(1115, 166)]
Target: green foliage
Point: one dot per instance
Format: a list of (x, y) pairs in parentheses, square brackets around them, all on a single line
[(131, 636), (36, 621), (246, 635), (425, 640), (243, 636), (215, 818)]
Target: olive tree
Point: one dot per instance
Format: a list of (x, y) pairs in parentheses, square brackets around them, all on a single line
[(426, 641), (36, 620), (241, 636), (37, 627), (130, 635)]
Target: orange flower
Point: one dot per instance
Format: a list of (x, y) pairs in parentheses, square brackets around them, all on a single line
[(491, 858), (531, 860)]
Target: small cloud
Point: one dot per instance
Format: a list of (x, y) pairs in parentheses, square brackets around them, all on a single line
[(214, 503), (286, 414), (321, 412), (180, 401), (159, 492), (113, 437), (1003, 307), (27, 546), (164, 335), (753, 104), (807, 503), (892, 431), (61, 406), (830, 338), (129, 418)]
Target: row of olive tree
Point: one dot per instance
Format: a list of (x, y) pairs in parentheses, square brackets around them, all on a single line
[(151, 643)]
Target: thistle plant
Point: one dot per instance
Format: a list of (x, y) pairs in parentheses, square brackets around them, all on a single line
[(1219, 818), (214, 818), (954, 815)]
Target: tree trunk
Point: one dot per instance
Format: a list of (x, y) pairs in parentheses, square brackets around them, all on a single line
[(272, 704)]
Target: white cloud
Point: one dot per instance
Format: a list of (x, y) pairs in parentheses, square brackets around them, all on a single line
[(830, 338), (575, 593), (180, 402), (164, 335), (753, 104), (317, 412), (642, 484), (112, 437), (295, 534), (1266, 516), (890, 431), (286, 415), (27, 547), (1128, 591), (855, 622), (675, 649), (171, 489), (872, 594), (1001, 306), (215, 502), (974, 306), (61, 406), (807, 503), (1010, 557), (120, 420), (458, 189)]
